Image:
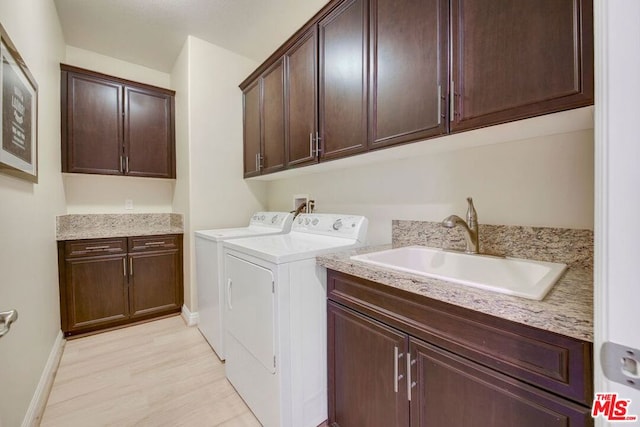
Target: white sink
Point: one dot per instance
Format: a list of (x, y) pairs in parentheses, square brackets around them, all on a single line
[(512, 276)]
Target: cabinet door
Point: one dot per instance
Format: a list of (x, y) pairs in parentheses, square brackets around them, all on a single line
[(301, 100), (148, 133), (91, 124), (273, 146), (515, 59), (155, 281), (252, 135), (409, 77), (343, 80), (96, 291), (456, 392), (367, 371)]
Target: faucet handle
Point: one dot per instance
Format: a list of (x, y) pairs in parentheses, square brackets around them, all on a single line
[(472, 215)]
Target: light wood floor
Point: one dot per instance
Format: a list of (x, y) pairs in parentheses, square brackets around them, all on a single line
[(161, 373)]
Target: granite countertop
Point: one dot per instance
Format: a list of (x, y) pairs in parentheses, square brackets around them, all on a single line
[(567, 309), (97, 226)]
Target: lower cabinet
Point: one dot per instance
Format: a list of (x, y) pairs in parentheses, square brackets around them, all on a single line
[(111, 282), (391, 367)]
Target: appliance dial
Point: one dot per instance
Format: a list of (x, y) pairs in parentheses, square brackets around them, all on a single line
[(315, 221), (274, 219), (337, 225)]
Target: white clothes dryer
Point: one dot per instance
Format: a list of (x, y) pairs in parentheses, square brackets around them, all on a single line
[(276, 317), (210, 270)]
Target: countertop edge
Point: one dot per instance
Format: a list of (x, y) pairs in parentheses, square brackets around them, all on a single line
[(566, 310)]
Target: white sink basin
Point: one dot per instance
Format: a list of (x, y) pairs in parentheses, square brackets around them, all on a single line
[(512, 276)]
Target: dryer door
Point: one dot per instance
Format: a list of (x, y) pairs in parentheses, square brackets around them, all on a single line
[(251, 308)]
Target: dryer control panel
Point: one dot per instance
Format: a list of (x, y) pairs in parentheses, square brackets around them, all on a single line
[(335, 225)]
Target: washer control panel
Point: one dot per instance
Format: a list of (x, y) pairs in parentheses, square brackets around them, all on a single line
[(280, 220), (347, 226)]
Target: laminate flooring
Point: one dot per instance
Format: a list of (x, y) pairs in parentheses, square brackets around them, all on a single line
[(155, 374)]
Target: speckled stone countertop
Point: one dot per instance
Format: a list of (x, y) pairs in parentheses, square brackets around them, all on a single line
[(96, 226), (567, 309)]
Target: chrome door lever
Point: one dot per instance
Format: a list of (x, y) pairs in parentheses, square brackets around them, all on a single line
[(6, 319)]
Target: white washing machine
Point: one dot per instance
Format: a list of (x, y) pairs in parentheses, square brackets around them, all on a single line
[(210, 270), (276, 317)]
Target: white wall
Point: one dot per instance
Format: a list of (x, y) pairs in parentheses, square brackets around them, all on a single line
[(107, 194), (210, 187), (28, 256), (545, 181)]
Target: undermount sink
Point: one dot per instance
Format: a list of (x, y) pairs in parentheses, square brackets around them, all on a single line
[(513, 276)]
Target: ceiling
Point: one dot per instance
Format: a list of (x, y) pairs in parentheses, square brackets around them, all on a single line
[(152, 32)]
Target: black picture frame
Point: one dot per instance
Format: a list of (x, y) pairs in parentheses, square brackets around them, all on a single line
[(18, 114)]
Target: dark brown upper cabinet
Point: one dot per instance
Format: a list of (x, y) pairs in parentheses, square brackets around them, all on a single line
[(343, 50), (409, 70), (514, 59), (367, 74), (251, 101), (264, 143), (112, 126), (301, 99)]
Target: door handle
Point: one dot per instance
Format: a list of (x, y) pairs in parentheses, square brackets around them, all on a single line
[(6, 319), (229, 284)]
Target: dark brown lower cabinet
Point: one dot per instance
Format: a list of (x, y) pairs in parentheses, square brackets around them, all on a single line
[(111, 282), (399, 359)]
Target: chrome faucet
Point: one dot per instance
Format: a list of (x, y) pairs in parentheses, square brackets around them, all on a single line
[(470, 227)]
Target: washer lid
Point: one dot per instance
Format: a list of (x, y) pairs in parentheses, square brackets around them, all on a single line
[(283, 248)]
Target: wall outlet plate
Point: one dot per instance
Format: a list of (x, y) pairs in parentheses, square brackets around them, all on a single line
[(298, 199), (128, 204)]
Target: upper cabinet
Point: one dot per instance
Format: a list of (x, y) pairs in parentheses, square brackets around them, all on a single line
[(367, 74), (514, 59), (343, 74), (112, 126), (409, 62)]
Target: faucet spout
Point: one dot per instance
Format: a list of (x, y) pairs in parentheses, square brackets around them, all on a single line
[(470, 227)]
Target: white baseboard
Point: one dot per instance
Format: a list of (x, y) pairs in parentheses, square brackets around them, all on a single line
[(39, 399), (191, 319)]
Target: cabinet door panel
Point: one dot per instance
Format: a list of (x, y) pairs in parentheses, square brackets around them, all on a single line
[(515, 59), (96, 291), (148, 133), (92, 125), (252, 136), (155, 282), (273, 147), (301, 97), (362, 382), (409, 60), (343, 80), (457, 392)]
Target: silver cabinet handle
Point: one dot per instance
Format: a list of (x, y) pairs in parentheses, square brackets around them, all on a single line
[(395, 369), (452, 102), (154, 243), (396, 376), (439, 104), (410, 384), (95, 248), (124, 267), (131, 266), (311, 152), (6, 319), (318, 148), (126, 163)]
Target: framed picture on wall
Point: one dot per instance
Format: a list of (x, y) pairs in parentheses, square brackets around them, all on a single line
[(18, 113)]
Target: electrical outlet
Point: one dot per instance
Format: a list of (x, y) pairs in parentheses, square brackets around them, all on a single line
[(128, 204)]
